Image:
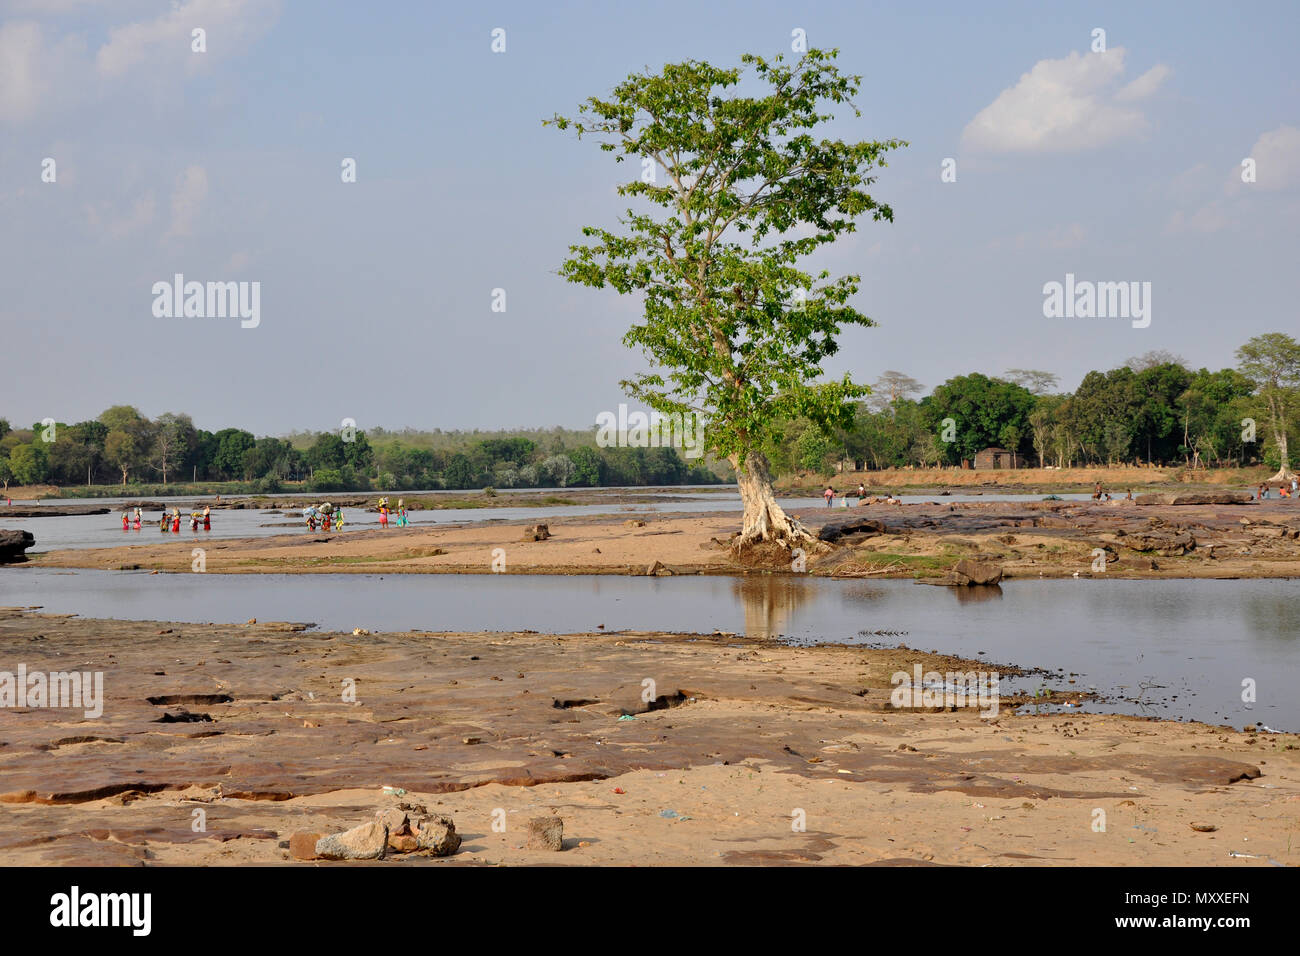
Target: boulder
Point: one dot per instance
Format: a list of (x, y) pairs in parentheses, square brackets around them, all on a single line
[(437, 835), (1164, 541), (977, 572), (658, 569), (546, 833), (537, 532), (13, 544), (366, 842)]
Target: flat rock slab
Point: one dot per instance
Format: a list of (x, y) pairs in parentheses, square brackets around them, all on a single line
[(51, 511), (1197, 498)]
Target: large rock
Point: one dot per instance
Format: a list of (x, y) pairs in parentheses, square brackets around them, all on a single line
[(1165, 541), (12, 545), (967, 573), (437, 835), (366, 842), (546, 833), (1196, 498), (977, 572), (835, 530)]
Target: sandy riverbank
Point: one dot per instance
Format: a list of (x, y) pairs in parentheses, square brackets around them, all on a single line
[(742, 739), (1029, 539)]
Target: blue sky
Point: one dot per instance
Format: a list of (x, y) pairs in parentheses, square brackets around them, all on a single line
[(224, 165)]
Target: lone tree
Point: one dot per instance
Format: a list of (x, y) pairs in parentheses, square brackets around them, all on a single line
[(736, 191), (1272, 362)]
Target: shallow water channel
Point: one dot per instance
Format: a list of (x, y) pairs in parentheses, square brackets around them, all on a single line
[(1178, 649)]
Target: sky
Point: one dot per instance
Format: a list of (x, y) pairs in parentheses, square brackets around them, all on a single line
[(376, 296)]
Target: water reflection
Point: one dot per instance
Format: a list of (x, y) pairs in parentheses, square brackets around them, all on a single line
[(978, 595), (769, 602)]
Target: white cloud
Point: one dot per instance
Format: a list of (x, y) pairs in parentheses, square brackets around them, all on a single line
[(42, 71), (187, 198), (28, 61), (1144, 85), (1277, 159), (1065, 105), (1210, 218), (231, 25), (103, 219)]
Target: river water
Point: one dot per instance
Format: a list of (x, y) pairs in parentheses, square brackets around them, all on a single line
[(105, 531), (1178, 648)]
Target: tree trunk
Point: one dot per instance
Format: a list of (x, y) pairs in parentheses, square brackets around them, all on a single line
[(764, 520), (1284, 473)]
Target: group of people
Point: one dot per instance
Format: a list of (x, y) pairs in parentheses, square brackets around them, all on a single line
[(132, 519), (1101, 494), (830, 494), (399, 514), (1283, 491), (323, 516)]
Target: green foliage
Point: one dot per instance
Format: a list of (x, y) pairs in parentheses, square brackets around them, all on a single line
[(733, 328), (986, 411), (29, 464)]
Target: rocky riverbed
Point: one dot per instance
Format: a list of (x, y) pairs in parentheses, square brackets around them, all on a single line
[(217, 744)]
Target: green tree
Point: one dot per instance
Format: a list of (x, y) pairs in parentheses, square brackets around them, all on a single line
[(228, 459), (174, 440), (734, 330), (1272, 362), (588, 468), (326, 452), (29, 464), (982, 409), (122, 449), (357, 453), (460, 472)]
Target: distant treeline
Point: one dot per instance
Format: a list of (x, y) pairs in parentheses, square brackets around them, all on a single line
[(123, 447), (1153, 409)]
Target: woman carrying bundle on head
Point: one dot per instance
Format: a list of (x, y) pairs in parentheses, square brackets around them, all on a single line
[(138, 517), (126, 522), (207, 518), (176, 520)]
